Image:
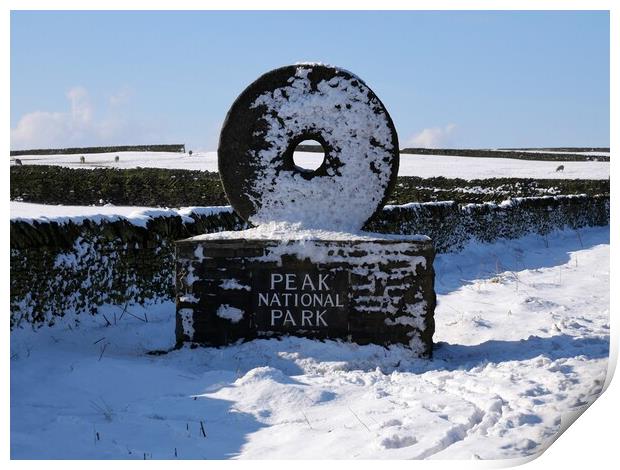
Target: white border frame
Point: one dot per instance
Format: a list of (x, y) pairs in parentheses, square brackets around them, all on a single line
[(592, 441)]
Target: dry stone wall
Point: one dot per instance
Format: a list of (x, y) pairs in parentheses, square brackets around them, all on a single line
[(109, 149), (166, 187), (76, 267)]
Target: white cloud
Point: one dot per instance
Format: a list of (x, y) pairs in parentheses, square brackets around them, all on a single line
[(79, 125), (120, 97), (431, 137)]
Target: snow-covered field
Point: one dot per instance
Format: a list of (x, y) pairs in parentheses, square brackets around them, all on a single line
[(522, 339), (410, 165), (469, 168)]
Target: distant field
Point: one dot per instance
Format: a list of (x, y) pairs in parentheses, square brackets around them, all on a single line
[(425, 166), (573, 154)]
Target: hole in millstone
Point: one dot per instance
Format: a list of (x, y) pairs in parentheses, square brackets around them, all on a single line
[(308, 155)]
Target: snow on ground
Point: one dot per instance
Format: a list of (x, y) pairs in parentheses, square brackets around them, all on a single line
[(410, 165), (522, 339), (469, 168)]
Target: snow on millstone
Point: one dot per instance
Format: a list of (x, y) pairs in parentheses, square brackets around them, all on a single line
[(309, 269), (292, 104), (229, 313)]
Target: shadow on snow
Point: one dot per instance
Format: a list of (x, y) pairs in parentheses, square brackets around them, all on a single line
[(479, 262)]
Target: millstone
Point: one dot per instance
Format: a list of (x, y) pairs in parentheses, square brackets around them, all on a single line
[(306, 269), (308, 102)]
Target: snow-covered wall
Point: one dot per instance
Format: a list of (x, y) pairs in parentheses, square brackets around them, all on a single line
[(451, 226), (78, 264), (71, 264)]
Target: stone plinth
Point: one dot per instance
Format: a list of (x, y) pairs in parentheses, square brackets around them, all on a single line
[(368, 289)]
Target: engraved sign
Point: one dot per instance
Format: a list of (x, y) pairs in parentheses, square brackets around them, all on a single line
[(300, 300), (324, 284)]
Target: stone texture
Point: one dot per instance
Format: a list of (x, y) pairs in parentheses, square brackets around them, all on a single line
[(243, 135), (75, 268), (145, 256), (385, 288)]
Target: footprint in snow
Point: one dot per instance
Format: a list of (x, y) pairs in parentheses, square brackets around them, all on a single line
[(391, 422), (398, 442)]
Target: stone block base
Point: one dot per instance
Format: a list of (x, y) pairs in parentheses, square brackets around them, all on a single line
[(365, 290)]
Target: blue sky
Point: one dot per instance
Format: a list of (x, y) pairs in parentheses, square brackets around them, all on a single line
[(455, 79)]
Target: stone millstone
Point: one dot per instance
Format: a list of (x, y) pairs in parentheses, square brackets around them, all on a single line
[(308, 102), (367, 291)]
